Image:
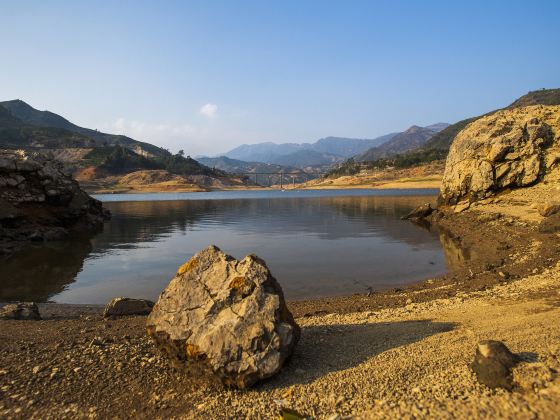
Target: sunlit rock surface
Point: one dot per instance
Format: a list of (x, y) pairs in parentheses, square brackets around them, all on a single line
[(225, 317)]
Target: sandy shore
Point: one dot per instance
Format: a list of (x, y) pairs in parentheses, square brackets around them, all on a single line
[(400, 353)]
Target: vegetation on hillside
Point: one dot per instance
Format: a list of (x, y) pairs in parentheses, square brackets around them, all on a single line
[(120, 160), (401, 161), (14, 133)]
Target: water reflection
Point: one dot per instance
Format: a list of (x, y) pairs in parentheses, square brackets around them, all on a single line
[(314, 246)]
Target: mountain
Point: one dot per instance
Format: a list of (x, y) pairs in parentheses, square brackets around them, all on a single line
[(444, 138), (264, 152), (267, 174), (346, 147), (14, 133), (437, 127), (437, 147), (538, 97), (324, 151), (46, 119), (409, 139), (307, 159), (87, 153)]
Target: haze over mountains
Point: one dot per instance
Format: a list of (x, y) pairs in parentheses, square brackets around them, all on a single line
[(332, 150)]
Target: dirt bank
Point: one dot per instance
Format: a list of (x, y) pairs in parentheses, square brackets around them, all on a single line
[(423, 176)]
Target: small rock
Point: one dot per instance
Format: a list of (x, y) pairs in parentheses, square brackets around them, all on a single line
[(420, 212), (548, 209), (123, 306), (20, 311), (492, 364)]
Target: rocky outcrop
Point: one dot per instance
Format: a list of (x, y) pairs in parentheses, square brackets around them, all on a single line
[(22, 311), (225, 317), (122, 306), (508, 149), (38, 201)]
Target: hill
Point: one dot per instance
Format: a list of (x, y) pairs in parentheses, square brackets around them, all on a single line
[(437, 147), (268, 173), (90, 155), (412, 138), (307, 159), (45, 119)]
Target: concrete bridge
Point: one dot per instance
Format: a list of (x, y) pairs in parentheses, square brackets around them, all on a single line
[(284, 176)]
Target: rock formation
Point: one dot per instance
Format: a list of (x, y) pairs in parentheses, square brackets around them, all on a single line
[(38, 201), (225, 317), (20, 311), (122, 306), (508, 149)]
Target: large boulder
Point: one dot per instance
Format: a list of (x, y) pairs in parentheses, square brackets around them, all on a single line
[(225, 317), (39, 202), (508, 149)]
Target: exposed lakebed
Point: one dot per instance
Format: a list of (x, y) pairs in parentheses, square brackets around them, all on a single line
[(316, 243)]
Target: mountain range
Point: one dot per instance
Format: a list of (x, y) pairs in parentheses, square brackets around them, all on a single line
[(265, 173), (323, 152), (329, 151), (409, 139), (437, 146)]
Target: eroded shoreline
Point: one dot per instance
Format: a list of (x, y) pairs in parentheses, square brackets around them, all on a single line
[(394, 353)]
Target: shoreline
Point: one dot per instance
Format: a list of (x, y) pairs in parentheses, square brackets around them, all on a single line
[(399, 353), (397, 184), (485, 262)]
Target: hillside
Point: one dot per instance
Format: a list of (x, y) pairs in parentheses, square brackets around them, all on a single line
[(412, 138), (265, 170), (14, 133), (437, 147), (46, 119), (94, 158), (307, 159)]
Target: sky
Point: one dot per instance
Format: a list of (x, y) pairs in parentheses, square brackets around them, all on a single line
[(206, 76)]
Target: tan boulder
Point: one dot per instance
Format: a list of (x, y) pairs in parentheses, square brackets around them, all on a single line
[(508, 149), (226, 317)]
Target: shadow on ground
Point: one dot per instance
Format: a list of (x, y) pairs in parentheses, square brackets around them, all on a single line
[(330, 348)]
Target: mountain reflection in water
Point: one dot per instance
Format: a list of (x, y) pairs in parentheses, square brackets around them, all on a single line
[(314, 246)]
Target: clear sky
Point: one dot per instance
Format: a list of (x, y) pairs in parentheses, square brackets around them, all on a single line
[(205, 76)]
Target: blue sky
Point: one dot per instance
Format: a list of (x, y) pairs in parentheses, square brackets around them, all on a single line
[(205, 76)]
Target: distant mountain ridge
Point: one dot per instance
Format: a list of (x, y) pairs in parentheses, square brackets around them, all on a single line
[(437, 147), (410, 139), (324, 151), (268, 172)]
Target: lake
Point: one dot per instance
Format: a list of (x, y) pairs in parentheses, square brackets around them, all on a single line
[(317, 243)]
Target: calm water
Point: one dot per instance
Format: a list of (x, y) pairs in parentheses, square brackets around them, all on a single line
[(316, 243)]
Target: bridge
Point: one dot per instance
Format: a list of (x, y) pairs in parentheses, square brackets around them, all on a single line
[(283, 176)]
